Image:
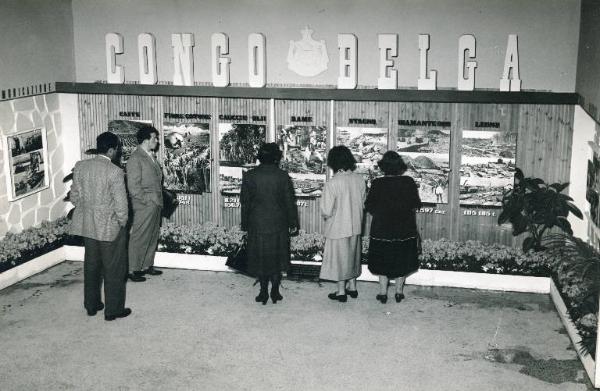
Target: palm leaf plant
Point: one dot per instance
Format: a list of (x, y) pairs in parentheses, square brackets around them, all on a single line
[(577, 273), (532, 206)]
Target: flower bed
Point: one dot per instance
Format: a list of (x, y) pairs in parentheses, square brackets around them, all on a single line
[(18, 248)]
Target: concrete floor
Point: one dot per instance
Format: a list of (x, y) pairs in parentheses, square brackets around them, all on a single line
[(193, 330)]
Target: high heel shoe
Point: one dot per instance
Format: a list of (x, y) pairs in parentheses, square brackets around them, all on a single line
[(276, 296), (352, 294), (263, 295), (399, 297), (275, 283), (382, 298)]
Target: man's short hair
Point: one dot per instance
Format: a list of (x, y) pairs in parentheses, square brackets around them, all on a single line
[(106, 141), (145, 132)]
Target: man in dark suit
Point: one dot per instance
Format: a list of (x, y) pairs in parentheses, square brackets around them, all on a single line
[(144, 181), (100, 216)]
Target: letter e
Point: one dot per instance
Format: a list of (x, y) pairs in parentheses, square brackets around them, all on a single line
[(388, 47), (347, 45)]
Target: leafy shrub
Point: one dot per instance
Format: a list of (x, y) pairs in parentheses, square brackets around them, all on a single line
[(474, 256), (18, 248), (576, 272), (207, 239)]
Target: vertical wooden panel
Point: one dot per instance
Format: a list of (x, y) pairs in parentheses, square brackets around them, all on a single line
[(238, 111), (319, 111), (434, 219), (93, 119), (193, 208)]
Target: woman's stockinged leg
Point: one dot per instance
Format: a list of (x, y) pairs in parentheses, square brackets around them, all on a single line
[(352, 284), (400, 284), (341, 287), (383, 285)]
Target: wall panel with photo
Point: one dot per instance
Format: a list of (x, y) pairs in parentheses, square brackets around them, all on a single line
[(487, 166), (302, 133), (126, 130), (238, 147), (423, 137), (187, 158), (363, 127), (26, 162)]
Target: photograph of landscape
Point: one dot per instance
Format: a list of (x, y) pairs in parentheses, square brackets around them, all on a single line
[(487, 166), (426, 152), (126, 130), (238, 146), (367, 145)]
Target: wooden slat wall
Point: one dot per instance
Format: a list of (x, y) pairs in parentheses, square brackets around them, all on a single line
[(543, 150), (249, 107), (379, 111), (431, 225), (310, 218), (201, 207), (543, 147), (93, 119)]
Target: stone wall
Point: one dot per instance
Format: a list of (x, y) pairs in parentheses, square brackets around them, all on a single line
[(20, 115)]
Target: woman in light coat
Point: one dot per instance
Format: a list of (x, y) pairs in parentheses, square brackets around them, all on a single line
[(342, 208)]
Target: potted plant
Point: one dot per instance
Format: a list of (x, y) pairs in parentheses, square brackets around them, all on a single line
[(532, 206)]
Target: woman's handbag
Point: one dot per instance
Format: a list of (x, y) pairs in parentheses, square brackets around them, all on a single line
[(239, 259)]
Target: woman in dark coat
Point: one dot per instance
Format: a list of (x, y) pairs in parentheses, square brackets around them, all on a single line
[(394, 238), (269, 215)]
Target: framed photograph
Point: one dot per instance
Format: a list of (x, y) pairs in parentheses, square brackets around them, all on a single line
[(26, 167), (187, 157)]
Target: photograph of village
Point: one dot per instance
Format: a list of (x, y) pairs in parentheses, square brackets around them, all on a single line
[(126, 130), (26, 160), (187, 157), (367, 145), (238, 146), (426, 152), (304, 157), (487, 166)]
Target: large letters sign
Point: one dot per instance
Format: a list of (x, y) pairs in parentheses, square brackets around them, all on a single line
[(183, 59)]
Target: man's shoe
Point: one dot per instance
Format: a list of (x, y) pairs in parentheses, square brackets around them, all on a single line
[(93, 312), (152, 271), (126, 312), (137, 277)]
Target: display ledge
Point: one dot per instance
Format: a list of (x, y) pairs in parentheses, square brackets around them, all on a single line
[(398, 95), (424, 277)]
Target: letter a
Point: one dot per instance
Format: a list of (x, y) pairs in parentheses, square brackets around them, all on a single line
[(511, 62)]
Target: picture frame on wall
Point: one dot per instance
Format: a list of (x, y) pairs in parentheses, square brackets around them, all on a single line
[(26, 162)]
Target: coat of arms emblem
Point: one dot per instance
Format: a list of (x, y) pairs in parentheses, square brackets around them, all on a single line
[(307, 57)]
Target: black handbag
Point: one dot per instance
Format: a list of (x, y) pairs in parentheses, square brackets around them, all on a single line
[(239, 259), (170, 203)]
